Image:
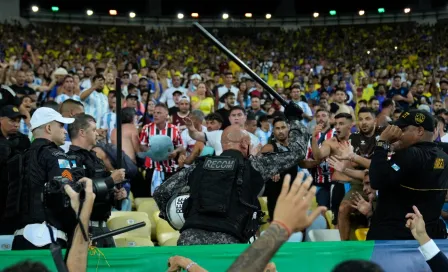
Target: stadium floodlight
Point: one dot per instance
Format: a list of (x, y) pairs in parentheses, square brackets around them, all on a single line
[(35, 8), (225, 16), (54, 9), (332, 12), (89, 12), (132, 14), (361, 12), (381, 10), (396, 47), (268, 16), (113, 12), (195, 15), (248, 15), (180, 16), (407, 10), (316, 14), (368, 51)]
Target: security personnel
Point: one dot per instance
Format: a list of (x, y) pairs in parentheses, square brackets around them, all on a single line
[(28, 173), (414, 175), (223, 206), (83, 134), (12, 142)]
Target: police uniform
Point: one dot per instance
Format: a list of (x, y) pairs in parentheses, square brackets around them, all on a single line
[(223, 206), (94, 168), (28, 172), (10, 145), (416, 175)]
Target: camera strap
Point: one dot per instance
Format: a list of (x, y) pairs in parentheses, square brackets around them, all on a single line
[(56, 252), (82, 197)]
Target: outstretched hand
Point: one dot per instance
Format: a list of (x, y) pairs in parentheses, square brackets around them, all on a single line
[(336, 164), (189, 124), (294, 202), (416, 224), (345, 151)]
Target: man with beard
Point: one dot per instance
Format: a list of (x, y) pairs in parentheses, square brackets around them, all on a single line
[(363, 143), (280, 144), (387, 110), (374, 104), (418, 96), (95, 101), (330, 147), (229, 100), (340, 96), (184, 111), (319, 169)]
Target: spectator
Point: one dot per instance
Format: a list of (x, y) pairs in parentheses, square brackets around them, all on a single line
[(202, 99), (94, 100), (68, 89)]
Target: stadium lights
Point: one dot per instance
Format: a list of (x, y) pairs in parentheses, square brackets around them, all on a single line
[(132, 14), (368, 52), (89, 12), (396, 47), (35, 8), (180, 16), (381, 10), (407, 10), (332, 12), (195, 15), (316, 14), (225, 16), (54, 9), (113, 12), (248, 15), (361, 12), (268, 16)]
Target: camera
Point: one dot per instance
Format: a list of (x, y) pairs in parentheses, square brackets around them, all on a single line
[(56, 199)]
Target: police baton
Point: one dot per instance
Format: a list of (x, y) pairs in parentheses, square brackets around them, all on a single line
[(240, 63), (119, 143)]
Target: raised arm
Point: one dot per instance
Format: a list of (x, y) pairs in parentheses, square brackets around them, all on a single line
[(193, 132)]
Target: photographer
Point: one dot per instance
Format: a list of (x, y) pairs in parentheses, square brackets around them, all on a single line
[(83, 133), (28, 172)]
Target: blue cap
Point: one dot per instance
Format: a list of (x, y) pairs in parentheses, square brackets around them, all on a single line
[(160, 146)]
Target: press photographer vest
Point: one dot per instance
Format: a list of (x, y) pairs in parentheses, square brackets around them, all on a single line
[(223, 196)]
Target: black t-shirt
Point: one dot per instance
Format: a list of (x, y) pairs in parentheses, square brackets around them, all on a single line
[(25, 90), (363, 145), (173, 110), (225, 117)]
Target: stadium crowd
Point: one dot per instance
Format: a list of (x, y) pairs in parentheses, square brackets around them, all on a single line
[(350, 82)]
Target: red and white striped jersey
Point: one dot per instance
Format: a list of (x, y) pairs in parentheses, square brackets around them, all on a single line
[(321, 173)]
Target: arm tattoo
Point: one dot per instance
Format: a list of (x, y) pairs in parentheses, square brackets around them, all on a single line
[(258, 255)]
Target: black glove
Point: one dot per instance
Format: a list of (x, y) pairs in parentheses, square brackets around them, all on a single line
[(293, 112)]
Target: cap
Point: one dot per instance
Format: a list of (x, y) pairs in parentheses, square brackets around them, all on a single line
[(417, 118), (11, 112), (143, 77), (178, 92), (46, 115), (60, 72), (132, 96), (160, 148), (443, 81), (184, 97), (195, 76)]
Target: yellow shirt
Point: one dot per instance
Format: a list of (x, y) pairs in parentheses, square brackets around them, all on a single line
[(367, 93), (206, 105), (106, 90), (277, 82)]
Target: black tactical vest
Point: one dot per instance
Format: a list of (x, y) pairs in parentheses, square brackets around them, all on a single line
[(223, 196)]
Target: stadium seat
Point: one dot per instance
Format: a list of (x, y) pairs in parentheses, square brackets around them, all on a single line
[(132, 199), (327, 235), (125, 219), (140, 200), (165, 232), (264, 208), (156, 217), (133, 241), (149, 207), (171, 242), (6, 242), (361, 234), (329, 217)]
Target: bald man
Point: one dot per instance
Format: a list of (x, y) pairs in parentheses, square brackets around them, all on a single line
[(223, 206)]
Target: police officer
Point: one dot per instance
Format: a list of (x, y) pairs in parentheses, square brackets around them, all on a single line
[(223, 206), (415, 174), (83, 133), (12, 142), (28, 172)]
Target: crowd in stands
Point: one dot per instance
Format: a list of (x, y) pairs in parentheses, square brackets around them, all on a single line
[(171, 77)]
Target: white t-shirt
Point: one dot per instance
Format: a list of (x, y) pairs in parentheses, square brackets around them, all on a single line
[(214, 140), (187, 141), (167, 95)]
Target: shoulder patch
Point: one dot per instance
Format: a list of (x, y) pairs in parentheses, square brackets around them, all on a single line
[(64, 164), (59, 154), (220, 164), (439, 163)]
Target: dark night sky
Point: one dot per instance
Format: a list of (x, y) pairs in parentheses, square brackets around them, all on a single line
[(214, 8)]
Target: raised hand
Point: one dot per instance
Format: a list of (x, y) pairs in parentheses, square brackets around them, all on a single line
[(359, 203), (345, 151), (336, 164)]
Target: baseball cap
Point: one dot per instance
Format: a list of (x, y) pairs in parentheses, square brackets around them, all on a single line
[(195, 76), (132, 96), (177, 92), (11, 112), (143, 78), (417, 118), (46, 115), (60, 72), (184, 97)]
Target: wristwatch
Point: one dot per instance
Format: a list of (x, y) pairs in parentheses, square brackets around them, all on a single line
[(383, 144)]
